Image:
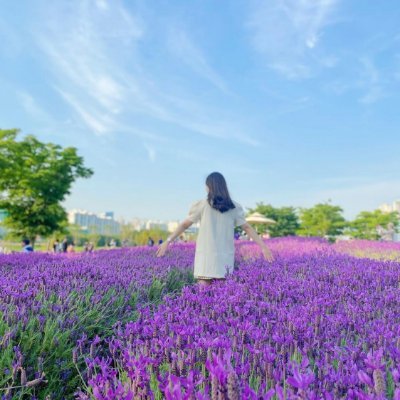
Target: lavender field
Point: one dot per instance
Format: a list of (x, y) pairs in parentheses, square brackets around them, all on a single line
[(320, 322)]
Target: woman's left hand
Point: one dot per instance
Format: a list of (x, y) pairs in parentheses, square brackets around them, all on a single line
[(267, 253), (162, 249)]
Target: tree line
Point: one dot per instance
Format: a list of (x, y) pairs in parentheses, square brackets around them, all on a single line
[(36, 177), (327, 220)]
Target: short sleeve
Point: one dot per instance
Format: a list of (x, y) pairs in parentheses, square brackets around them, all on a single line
[(240, 218), (195, 211)]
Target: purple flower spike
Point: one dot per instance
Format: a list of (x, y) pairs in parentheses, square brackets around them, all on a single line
[(365, 378), (300, 380)]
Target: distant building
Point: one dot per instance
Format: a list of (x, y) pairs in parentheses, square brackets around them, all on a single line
[(172, 225), (385, 208), (92, 223), (137, 224), (150, 224), (168, 226), (194, 229), (107, 214)]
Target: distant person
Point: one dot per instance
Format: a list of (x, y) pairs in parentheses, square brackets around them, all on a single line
[(218, 215), (56, 246), (160, 241), (88, 247), (71, 248), (64, 245), (26, 246), (150, 242)]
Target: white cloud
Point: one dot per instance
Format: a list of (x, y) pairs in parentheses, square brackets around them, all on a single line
[(151, 152), (370, 82), (102, 5), (183, 47), (32, 106), (286, 31), (98, 123), (101, 75)]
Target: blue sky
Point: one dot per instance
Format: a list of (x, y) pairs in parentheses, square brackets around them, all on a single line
[(295, 102)]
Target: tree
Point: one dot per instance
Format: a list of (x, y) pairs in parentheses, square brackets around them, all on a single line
[(365, 225), (35, 178), (322, 220), (287, 222), (141, 237)]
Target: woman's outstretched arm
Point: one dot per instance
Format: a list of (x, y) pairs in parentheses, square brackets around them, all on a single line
[(179, 230), (253, 235)]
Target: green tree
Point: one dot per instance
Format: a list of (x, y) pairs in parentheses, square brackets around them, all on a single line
[(287, 221), (141, 237), (365, 225), (127, 233), (35, 178), (322, 220)]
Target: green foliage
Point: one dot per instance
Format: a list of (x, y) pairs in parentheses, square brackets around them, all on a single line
[(177, 279), (129, 235), (48, 346), (322, 220), (364, 226), (156, 291), (35, 178), (173, 283), (287, 221), (79, 237), (48, 343)]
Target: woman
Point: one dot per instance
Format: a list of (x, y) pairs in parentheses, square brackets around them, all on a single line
[(218, 215)]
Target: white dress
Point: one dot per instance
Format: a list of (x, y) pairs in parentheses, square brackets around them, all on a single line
[(215, 249)]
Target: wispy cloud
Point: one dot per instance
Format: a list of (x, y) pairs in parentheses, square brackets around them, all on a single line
[(82, 60), (32, 107), (183, 47), (370, 82), (102, 4), (101, 74), (286, 32), (367, 85), (99, 123), (151, 152)]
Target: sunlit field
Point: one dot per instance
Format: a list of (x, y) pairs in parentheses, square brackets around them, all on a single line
[(370, 249), (320, 322)]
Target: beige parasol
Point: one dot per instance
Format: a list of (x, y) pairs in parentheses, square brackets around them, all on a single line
[(259, 219)]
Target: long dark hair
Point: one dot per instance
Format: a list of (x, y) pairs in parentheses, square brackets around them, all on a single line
[(218, 195)]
